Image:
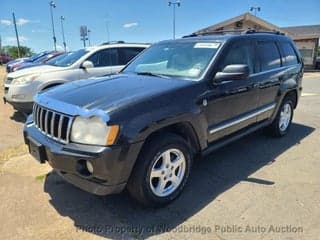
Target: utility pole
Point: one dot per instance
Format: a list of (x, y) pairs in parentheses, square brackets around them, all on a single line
[(53, 5), (62, 18), (174, 4), (17, 35), (255, 10)]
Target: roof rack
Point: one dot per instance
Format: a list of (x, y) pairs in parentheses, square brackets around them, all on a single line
[(234, 31)]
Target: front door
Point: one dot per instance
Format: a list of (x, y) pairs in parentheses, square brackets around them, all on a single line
[(231, 103)]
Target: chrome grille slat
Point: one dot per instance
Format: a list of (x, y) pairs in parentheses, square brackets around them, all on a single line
[(40, 120), (53, 124), (60, 126), (46, 121)]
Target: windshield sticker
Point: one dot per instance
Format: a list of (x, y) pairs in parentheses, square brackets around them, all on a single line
[(206, 45)]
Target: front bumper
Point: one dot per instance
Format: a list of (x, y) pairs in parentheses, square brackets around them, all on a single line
[(112, 166), (20, 96)]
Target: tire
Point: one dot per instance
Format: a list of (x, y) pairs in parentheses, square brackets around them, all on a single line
[(150, 182), (281, 124)]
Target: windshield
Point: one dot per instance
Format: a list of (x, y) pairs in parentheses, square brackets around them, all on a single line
[(70, 58), (53, 60), (175, 59)]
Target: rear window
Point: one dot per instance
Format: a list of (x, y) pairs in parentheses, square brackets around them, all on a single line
[(290, 55), (269, 55)]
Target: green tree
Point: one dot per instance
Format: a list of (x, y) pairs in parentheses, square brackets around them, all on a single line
[(13, 51)]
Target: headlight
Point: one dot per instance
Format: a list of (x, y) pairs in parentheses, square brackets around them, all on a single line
[(24, 79), (93, 131)]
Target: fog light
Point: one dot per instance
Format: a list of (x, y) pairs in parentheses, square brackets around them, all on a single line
[(89, 166)]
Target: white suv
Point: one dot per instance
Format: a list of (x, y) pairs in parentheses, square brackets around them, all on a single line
[(97, 61)]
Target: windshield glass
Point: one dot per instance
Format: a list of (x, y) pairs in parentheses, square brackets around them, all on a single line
[(175, 59), (57, 58), (70, 58)]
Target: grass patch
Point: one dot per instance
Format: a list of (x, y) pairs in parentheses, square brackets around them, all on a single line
[(41, 178)]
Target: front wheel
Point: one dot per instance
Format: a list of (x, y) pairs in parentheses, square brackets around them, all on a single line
[(161, 171), (281, 124)]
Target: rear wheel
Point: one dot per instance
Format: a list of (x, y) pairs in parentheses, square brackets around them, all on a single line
[(281, 124), (161, 171)]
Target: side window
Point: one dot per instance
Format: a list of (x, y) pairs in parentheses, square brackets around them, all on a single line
[(239, 53), (269, 55), (104, 58), (126, 54), (289, 54)]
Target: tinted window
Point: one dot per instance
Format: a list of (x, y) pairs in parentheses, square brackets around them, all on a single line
[(104, 58), (239, 53), (126, 54), (289, 54), (269, 55)]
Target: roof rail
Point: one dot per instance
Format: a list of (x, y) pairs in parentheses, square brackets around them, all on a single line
[(234, 31), (251, 31), (111, 42), (239, 31)]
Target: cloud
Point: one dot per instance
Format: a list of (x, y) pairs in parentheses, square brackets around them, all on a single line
[(22, 39), (5, 22), (22, 21), (130, 25)]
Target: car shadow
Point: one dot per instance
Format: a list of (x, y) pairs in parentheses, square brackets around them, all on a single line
[(119, 217), (19, 116)]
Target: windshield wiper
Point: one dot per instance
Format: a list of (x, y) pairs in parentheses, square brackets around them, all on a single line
[(152, 74)]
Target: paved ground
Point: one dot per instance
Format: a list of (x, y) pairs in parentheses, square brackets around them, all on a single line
[(255, 188)]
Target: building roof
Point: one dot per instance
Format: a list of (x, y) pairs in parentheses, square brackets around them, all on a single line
[(296, 32), (245, 16), (303, 30)]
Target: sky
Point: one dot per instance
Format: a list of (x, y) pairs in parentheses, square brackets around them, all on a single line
[(136, 20)]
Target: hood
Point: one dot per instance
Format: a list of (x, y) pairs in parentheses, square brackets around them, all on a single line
[(35, 70), (113, 92)]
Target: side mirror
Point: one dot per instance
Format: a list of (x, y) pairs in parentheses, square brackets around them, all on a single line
[(87, 64), (233, 72)]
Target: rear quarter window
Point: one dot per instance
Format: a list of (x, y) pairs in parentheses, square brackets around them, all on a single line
[(269, 55)]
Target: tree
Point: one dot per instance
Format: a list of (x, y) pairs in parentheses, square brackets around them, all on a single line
[(13, 51)]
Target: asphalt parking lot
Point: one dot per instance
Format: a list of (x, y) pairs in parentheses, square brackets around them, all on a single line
[(255, 188)]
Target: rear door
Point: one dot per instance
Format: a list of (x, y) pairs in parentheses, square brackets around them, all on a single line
[(270, 73)]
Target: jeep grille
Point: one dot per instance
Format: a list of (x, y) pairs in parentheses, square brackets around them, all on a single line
[(53, 124)]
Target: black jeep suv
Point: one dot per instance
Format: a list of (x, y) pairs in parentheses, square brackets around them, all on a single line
[(141, 129)]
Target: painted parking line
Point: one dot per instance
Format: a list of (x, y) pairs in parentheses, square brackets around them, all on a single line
[(309, 94)]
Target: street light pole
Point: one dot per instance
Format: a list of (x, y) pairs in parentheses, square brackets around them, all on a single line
[(53, 5), (63, 38), (174, 4), (255, 10)]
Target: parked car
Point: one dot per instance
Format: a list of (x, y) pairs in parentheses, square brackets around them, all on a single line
[(318, 63), (12, 64), (4, 58), (179, 99), (21, 86), (39, 61)]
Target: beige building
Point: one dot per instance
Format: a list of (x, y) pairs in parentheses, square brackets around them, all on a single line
[(305, 37)]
